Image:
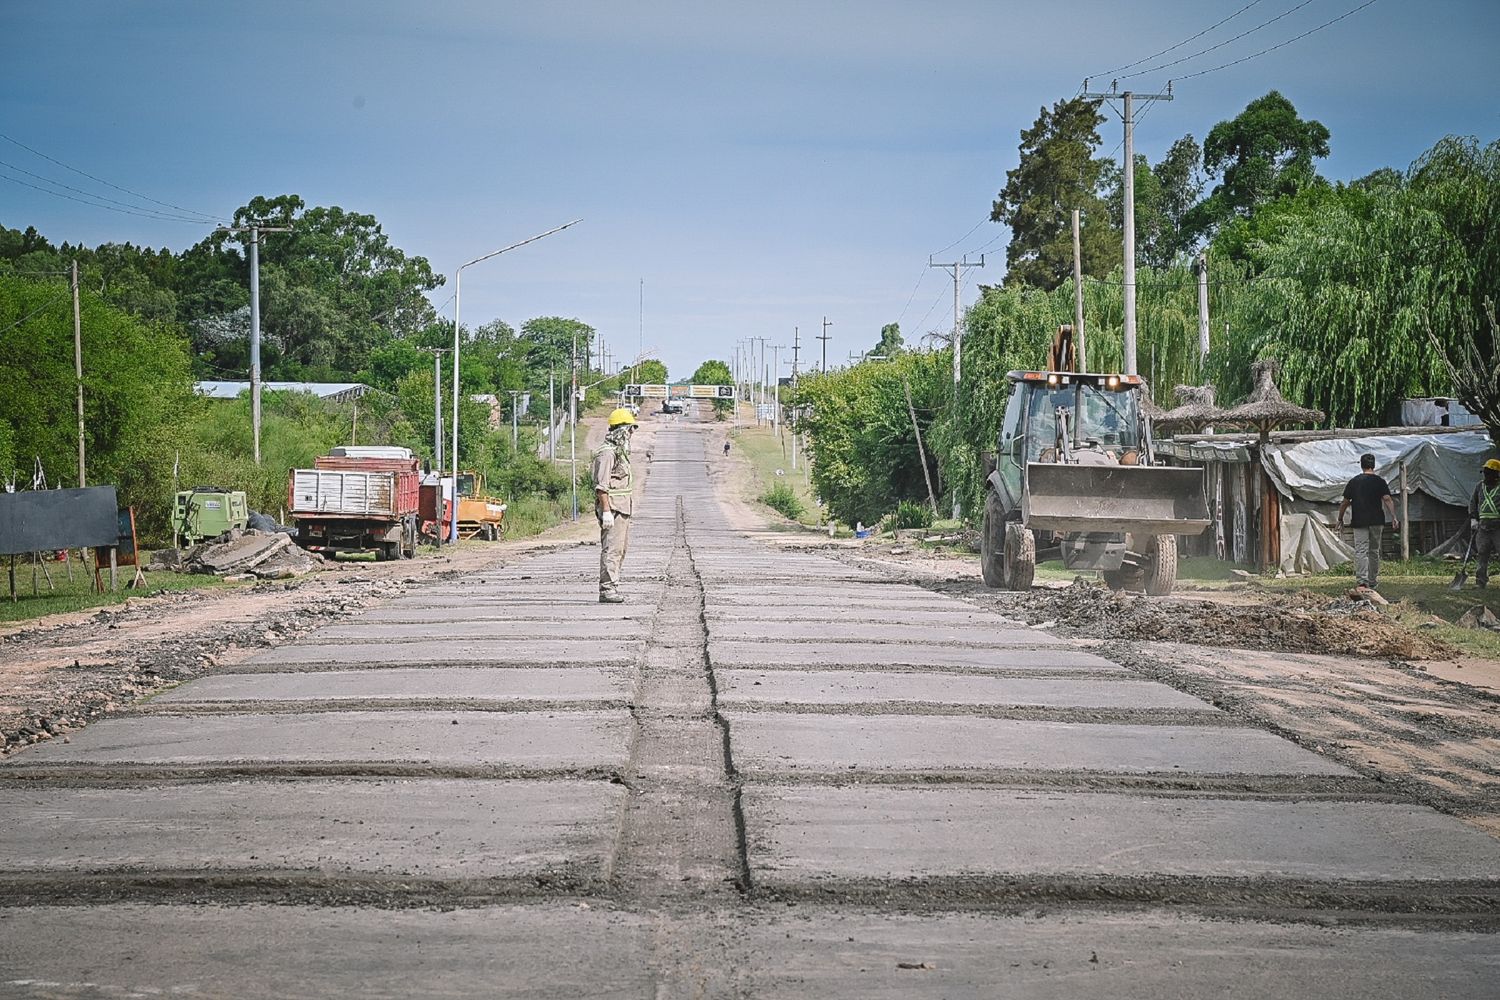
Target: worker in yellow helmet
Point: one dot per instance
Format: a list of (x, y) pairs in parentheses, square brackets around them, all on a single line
[(1484, 520), (613, 502)]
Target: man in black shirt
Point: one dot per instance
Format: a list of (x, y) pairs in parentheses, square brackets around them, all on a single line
[(1368, 493)]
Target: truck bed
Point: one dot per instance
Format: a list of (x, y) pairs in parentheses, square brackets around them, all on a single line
[(345, 494)]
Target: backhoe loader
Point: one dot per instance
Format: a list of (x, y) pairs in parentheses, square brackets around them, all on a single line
[(1074, 474)]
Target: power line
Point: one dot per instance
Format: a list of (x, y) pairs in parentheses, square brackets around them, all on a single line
[(1219, 45), (101, 198), (1172, 48), (965, 236), (1273, 48), (40, 309), (136, 194), (144, 214)]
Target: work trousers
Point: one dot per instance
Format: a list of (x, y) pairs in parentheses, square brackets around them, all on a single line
[(612, 542), (1486, 544), (1367, 555)]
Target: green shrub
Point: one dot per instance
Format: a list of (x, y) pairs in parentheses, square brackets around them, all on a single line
[(783, 500), (911, 515)]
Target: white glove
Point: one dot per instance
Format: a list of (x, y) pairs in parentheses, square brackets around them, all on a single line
[(607, 518), (1474, 524)]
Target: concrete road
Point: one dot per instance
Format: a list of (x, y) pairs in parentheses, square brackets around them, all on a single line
[(767, 775)]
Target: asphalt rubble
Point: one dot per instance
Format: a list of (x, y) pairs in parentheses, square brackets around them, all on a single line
[(248, 554), (1300, 623)]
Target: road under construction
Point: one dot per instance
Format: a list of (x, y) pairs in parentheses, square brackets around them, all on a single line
[(769, 774)]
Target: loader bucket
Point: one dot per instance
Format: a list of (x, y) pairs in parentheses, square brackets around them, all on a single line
[(1146, 499)]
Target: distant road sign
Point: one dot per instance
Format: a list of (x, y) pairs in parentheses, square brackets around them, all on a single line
[(647, 391)]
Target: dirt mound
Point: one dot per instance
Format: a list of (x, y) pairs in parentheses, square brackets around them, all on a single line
[(1300, 624)]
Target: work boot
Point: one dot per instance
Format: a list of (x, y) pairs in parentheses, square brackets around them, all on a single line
[(611, 597)]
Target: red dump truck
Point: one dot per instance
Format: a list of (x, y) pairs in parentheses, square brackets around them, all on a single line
[(358, 499)]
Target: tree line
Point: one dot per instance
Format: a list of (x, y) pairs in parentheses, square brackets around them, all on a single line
[(1366, 292), (339, 303)]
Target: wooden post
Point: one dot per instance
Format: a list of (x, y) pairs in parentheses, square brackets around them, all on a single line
[(12, 579), (113, 581), (921, 451), (1405, 525)]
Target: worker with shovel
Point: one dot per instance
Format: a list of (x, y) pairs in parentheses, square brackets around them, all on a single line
[(612, 502), (1484, 521)]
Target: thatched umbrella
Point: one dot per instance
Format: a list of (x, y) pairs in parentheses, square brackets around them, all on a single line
[(1266, 408), (1194, 411)]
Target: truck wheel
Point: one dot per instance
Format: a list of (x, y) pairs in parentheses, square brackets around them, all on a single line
[(409, 541), (388, 551), (992, 543), (1161, 565), (1020, 556)]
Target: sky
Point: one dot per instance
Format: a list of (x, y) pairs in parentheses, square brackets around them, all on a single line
[(740, 170)]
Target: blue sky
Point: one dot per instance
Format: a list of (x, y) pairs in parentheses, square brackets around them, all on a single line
[(760, 165)]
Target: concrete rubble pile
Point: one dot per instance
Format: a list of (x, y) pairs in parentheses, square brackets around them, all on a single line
[(264, 555)]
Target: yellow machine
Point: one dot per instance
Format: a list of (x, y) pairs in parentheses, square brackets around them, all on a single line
[(479, 516)]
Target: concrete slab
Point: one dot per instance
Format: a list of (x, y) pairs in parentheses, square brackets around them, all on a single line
[(491, 611), (861, 629), (446, 683), (552, 952), (1049, 654), (447, 829), (1136, 955), (439, 652), (885, 833), (840, 687), (522, 740), (843, 743), (837, 614), (366, 631)]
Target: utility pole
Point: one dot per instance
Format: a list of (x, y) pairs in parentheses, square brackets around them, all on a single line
[(551, 415), (825, 338), (256, 229), (573, 426), (1202, 269), (958, 334), (776, 350), (1127, 100), (78, 371), (796, 351), (1078, 298), (921, 450), (437, 433), (515, 438), (958, 268)]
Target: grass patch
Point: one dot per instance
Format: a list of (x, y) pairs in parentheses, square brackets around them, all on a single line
[(75, 595), (532, 515), (767, 454)]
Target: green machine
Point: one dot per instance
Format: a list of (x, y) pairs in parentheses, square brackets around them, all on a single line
[(207, 512)]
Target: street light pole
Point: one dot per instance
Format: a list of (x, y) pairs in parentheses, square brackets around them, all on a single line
[(457, 301)]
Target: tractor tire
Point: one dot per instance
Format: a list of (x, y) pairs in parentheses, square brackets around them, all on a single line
[(992, 543), (1161, 565), (1020, 556)]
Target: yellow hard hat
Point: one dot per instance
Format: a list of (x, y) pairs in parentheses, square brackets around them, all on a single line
[(621, 416), (1493, 465)]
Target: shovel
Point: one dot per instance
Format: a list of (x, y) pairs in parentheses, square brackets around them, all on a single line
[(1463, 571)]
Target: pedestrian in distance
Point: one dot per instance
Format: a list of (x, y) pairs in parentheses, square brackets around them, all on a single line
[(1368, 493), (613, 502), (726, 449), (1484, 521)]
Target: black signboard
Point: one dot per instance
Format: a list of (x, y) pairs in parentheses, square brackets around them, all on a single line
[(52, 520)]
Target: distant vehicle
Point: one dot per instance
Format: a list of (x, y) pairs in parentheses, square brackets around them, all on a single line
[(673, 406), (358, 500)]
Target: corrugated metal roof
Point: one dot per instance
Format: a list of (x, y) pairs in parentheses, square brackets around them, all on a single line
[(323, 390)]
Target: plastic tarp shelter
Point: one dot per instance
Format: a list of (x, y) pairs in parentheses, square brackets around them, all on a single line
[(1444, 466)]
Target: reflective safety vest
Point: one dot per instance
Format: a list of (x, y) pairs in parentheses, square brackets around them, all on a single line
[(1489, 503)]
